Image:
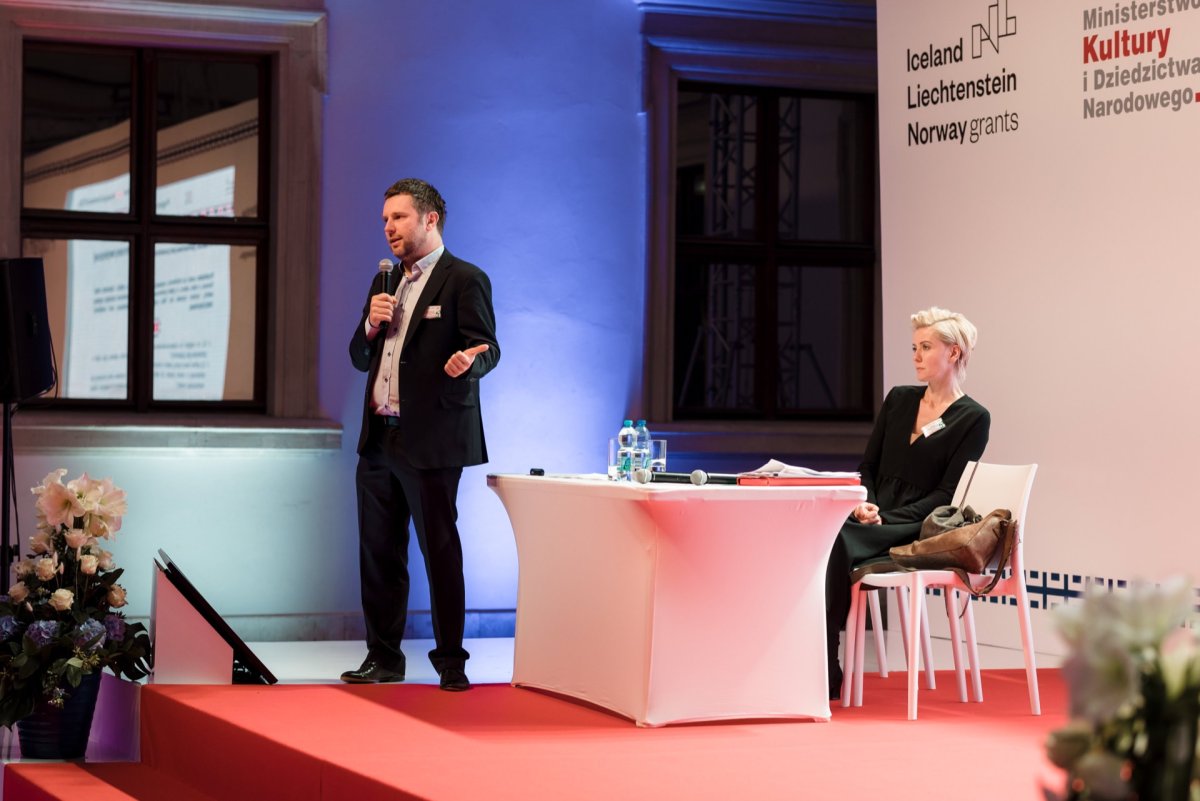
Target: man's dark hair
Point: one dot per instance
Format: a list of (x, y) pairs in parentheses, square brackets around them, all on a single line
[(425, 198)]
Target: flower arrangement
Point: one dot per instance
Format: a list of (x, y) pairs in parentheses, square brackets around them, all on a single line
[(59, 621), (1134, 679)]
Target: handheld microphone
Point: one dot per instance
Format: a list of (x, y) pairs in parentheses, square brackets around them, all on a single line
[(697, 477), (386, 267), (701, 478)]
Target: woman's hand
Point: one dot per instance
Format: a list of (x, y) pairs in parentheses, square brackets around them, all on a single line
[(867, 514)]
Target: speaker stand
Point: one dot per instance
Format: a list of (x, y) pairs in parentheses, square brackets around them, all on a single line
[(8, 552)]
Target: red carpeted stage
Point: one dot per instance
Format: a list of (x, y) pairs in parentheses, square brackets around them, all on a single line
[(500, 742)]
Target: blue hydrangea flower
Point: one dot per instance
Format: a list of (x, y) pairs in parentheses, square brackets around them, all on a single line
[(9, 627), (43, 632), (89, 630), (115, 626)]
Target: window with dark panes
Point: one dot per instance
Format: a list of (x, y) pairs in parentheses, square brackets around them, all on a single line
[(143, 191), (774, 254)]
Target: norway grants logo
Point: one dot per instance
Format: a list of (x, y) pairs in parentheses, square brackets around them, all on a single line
[(999, 24)]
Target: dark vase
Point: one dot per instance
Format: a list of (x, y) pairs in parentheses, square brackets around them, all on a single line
[(51, 733)]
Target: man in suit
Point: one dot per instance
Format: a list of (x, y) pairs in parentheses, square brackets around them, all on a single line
[(424, 347)]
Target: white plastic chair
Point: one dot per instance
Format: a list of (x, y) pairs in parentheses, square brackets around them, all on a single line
[(873, 601), (992, 486)]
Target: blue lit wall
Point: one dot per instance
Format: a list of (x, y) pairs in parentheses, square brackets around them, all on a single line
[(526, 116)]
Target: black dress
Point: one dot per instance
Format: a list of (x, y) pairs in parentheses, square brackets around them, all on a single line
[(907, 480)]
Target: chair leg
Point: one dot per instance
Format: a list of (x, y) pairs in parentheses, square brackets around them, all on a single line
[(860, 648), (915, 608), (877, 627), (1035, 701), (926, 643), (848, 666), (903, 600), (901, 595), (973, 650), (951, 597)]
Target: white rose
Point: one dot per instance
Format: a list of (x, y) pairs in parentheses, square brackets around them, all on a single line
[(45, 568), (88, 564), (18, 592), (62, 600)]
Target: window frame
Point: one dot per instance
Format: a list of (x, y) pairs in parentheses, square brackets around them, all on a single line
[(768, 251), (295, 41), (144, 229), (813, 46)]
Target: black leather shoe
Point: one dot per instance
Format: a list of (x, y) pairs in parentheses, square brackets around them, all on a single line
[(372, 672), (455, 680)]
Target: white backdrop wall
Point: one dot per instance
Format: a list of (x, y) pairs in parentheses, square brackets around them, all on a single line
[(1064, 225)]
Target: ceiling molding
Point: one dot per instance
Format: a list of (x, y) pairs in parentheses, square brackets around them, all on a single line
[(826, 12)]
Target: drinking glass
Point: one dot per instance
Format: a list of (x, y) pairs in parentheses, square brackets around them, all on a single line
[(658, 456)]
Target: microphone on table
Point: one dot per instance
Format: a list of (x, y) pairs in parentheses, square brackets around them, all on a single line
[(385, 268), (697, 477)]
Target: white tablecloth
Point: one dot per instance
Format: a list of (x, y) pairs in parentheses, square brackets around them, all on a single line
[(669, 603)]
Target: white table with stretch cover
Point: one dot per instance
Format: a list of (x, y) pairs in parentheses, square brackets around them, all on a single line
[(670, 603)]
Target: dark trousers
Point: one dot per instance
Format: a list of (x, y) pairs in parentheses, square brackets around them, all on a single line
[(856, 544), (837, 607), (391, 492)]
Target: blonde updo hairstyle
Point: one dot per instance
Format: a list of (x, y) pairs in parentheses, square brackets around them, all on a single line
[(953, 329)]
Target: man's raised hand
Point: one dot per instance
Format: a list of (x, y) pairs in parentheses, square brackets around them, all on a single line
[(462, 360)]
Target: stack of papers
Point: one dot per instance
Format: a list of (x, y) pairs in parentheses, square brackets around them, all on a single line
[(776, 473)]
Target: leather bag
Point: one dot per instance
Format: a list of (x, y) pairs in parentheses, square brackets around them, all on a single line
[(965, 549), (947, 518)]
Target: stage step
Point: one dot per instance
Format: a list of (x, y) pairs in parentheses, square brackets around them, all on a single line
[(410, 742), (105, 781)]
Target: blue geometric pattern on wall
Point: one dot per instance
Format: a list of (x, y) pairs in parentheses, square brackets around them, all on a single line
[(1050, 589)]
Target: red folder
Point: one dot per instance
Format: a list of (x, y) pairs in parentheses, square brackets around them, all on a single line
[(796, 481)]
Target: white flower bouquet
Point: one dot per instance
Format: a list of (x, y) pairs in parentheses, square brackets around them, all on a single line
[(60, 619), (1134, 679)]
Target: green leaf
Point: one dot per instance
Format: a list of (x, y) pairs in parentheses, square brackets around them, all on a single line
[(74, 673)]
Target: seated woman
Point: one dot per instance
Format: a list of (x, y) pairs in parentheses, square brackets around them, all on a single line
[(922, 440)]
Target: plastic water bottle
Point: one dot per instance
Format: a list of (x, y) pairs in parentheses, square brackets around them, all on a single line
[(626, 451), (641, 456)]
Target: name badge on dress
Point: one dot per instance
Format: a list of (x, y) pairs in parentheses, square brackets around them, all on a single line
[(433, 313), (929, 429)]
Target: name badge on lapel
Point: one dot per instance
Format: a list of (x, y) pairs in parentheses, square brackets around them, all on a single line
[(433, 313), (932, 428)]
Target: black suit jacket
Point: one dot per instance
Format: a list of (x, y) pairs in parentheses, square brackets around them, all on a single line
[(440, 420)]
